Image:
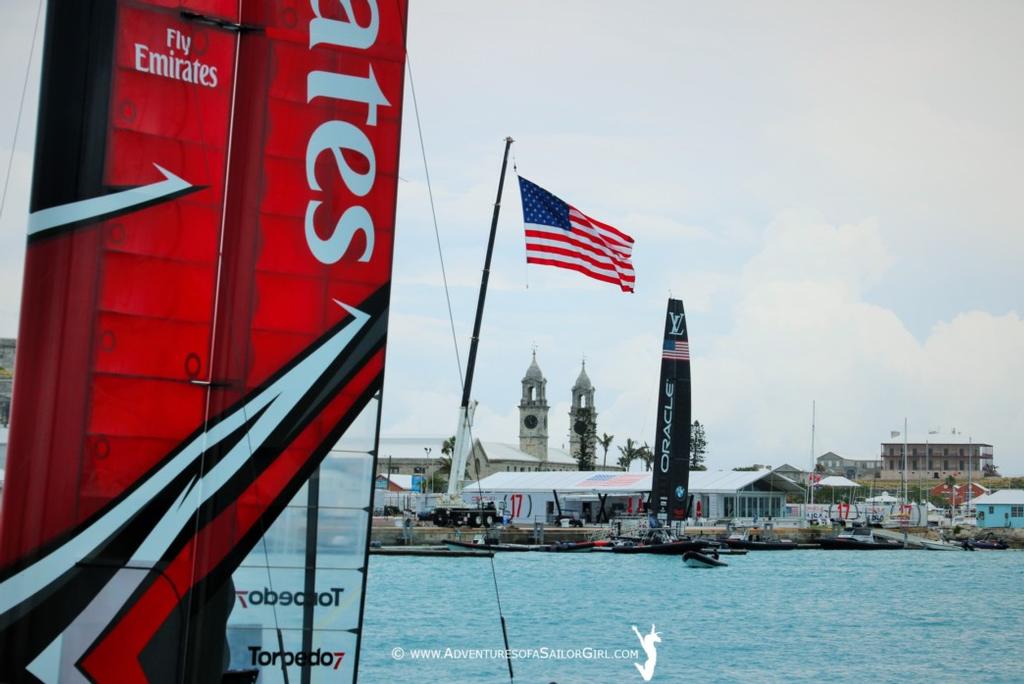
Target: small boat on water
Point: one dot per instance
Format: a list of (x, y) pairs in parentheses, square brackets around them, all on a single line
[(456, 544), (670, 548), (986, 544), (858, 538), (658, 541), (758, 541), (569, 547), (940, 545), (480, 544), (694, 559)]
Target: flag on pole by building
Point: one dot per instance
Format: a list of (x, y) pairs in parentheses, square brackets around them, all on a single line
[(558, 234)]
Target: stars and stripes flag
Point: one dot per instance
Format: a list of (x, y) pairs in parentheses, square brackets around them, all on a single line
[(676, 349), (558, 234), (612, 480)]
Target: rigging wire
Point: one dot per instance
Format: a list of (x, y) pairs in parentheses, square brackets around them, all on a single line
[(21, 108), (455, 343), (433, 214)]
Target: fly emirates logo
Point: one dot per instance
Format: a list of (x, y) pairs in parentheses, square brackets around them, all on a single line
[(172, 61)]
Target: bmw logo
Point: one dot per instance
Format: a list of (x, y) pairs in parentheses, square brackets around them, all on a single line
[(680, 492)]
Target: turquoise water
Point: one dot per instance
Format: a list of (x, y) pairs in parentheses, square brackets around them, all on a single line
[(840, 616)]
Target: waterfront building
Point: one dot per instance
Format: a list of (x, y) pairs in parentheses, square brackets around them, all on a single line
[(1004, 508), (422, 455), (792, 472), (937, 456), (596, 496), (851, 468), (958, 493), (396, 483)]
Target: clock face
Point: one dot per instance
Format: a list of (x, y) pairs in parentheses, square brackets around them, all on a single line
[(530, 422)]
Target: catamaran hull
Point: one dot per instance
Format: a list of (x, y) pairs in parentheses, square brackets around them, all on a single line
[(760, 546), (847, 545), (454, 545), (669, 549)]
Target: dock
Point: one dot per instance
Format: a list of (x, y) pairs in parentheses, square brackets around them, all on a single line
[(436, 551)]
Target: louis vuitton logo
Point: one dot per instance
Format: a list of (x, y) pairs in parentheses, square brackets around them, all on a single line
[(678, 322)]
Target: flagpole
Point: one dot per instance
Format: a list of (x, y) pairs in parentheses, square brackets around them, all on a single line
[(475, 341)]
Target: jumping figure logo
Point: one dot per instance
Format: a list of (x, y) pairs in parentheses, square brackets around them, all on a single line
[(648, 641)]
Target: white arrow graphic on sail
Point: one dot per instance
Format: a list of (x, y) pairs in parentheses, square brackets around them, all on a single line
[(98, 207), (276, 402)]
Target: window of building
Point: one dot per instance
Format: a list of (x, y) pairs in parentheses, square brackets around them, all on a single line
[(991, 509), (961, 464), (945, 464), (1017, 511)]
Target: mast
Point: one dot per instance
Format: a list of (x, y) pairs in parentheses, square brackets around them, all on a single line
[(970, 474), (810, 485), (670, 480), (463, 436), (904, 460)]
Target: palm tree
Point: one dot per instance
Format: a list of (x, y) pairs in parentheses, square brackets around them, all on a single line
[(647, 455), (628, 452), (605, 440)]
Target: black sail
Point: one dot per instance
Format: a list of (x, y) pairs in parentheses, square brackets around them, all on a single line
[(670, 484)]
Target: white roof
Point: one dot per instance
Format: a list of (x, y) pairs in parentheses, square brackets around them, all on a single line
[(1003, 496), (837, 481), (725, 481), (884, 497)]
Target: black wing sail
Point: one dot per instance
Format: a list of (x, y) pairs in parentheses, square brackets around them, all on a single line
[(670, 484)]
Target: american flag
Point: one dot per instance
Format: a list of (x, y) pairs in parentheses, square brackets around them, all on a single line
[(611, 480), (560, 235), (676, 349)]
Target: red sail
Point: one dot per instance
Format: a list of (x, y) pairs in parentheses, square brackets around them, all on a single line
[(204, 310)]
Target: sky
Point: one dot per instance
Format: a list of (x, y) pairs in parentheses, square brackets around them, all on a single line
[(833, 189)]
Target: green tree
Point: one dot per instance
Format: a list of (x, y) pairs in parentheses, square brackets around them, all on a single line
[(437, 482), (644, 453), (605, 440), (748, 469), (448, 447), (585, 459), (698, 446), (628, 453)]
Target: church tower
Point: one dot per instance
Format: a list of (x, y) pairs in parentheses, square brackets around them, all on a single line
[(533, 413), (583, 414)]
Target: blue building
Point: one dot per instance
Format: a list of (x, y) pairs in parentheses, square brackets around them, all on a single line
[(1004, 508)]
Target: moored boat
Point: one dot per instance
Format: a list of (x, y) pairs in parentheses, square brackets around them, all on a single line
[(858, 538), (741, 539), (988, 544), (456, 544), (939, 545)]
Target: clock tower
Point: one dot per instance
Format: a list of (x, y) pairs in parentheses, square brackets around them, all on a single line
[(533, 413)]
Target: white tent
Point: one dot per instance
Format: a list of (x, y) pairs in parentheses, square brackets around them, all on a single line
[(883, 498), (837, 481)]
